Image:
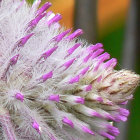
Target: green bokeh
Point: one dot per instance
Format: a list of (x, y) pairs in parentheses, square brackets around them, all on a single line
[(134, 128), (30, 1), (113, 43)]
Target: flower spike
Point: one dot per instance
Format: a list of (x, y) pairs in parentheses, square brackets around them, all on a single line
[(55, 86)]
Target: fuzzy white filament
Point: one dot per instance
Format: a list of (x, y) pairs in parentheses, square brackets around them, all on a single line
[(54, 86)]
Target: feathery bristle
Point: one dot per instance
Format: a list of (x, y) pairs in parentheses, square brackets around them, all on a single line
[(54, 86)]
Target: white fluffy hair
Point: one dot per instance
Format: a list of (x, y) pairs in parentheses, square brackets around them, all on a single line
[(54, 86)]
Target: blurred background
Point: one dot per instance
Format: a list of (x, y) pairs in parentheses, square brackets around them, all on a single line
[(116, 24)]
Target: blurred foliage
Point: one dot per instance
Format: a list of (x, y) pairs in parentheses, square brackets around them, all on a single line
[(134, 128), (113, 43), (30, 1)]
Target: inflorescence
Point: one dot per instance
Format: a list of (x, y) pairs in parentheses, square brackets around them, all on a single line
[(54, 86)]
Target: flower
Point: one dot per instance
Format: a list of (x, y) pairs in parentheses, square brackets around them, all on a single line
[(54, 85)]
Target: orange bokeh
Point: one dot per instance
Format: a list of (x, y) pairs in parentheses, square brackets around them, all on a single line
[(66, 9), (109, 12)]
